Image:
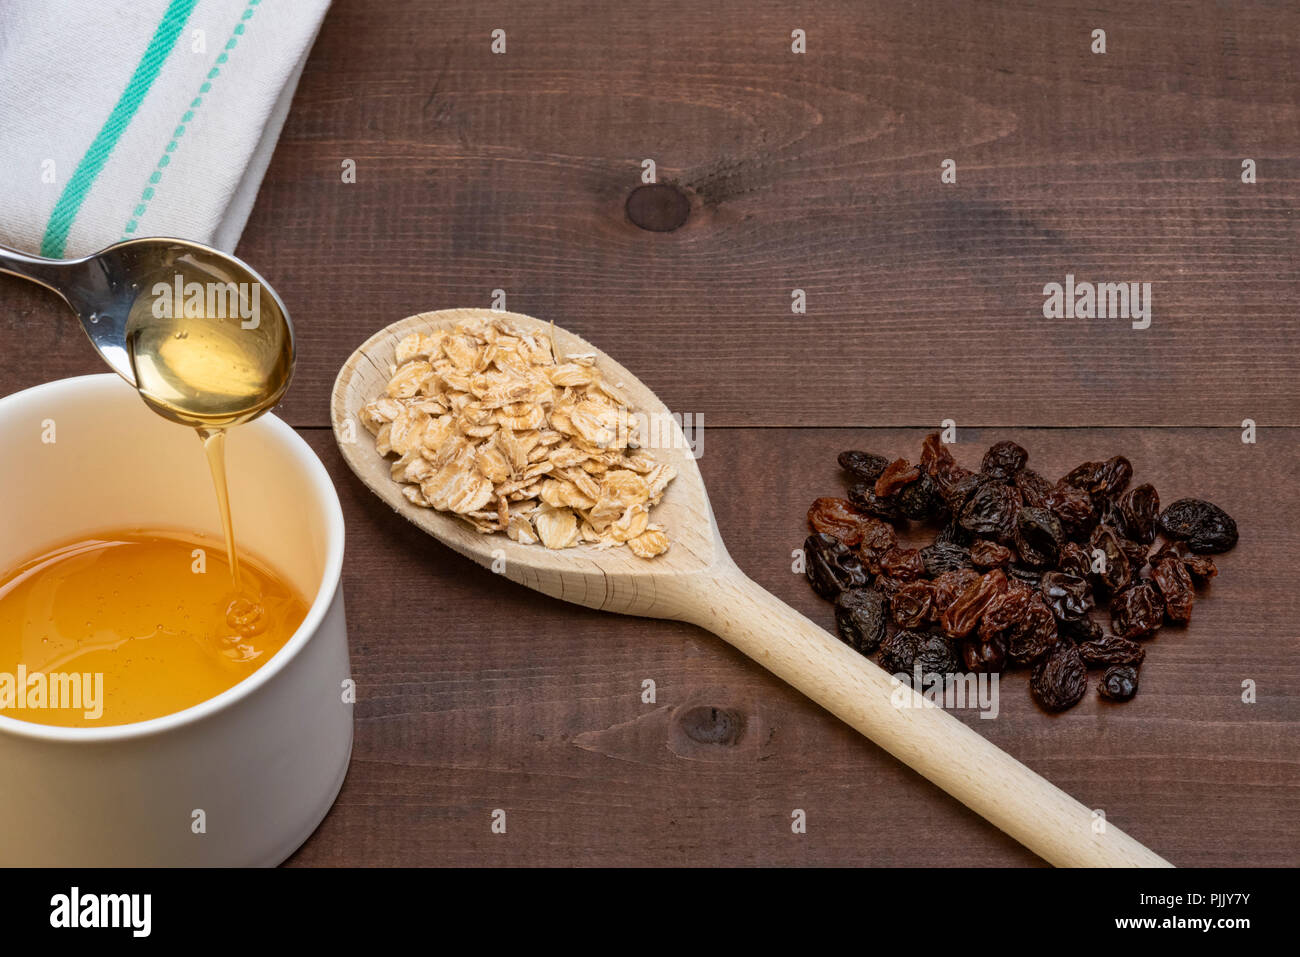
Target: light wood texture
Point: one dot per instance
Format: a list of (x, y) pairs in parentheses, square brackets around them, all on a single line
[(697, 581), (611, 580)]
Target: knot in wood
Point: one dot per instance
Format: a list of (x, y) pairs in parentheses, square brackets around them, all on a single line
[(707, 725), (658, 207)]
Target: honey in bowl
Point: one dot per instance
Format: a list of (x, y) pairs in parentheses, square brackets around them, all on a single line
[(123, 627)]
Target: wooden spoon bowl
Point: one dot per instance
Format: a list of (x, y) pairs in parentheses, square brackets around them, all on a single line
[(609, 579), (697, 581)]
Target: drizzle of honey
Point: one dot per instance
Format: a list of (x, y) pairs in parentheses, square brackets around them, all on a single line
[(134, 607)]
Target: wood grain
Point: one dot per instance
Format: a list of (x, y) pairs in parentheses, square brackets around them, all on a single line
[(476, 694), (696, 581), (817, 171), (477, 172)]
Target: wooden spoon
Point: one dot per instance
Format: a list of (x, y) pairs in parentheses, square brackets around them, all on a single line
[(697, 581)]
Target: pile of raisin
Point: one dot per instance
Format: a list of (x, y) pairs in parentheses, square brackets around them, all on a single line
[(1019, 572)]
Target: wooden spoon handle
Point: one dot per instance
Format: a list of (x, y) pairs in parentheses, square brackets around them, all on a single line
[(924, 737)]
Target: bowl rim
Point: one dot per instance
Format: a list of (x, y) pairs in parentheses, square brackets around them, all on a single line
[(330, 582)]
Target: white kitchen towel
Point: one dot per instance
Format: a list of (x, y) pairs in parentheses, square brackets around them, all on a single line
[(124, 118)]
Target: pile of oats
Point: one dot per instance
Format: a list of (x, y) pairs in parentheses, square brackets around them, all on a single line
[(491, 423)]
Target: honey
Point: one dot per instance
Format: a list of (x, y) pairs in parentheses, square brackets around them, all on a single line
[(207, 351), (125, 626)]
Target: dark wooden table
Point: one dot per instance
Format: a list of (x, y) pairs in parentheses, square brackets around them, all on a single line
[(816, 171)]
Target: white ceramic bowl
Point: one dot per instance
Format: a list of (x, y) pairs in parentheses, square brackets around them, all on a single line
[(264, 760)]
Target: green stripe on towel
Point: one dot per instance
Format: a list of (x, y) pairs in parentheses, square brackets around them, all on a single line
[(83, 178)]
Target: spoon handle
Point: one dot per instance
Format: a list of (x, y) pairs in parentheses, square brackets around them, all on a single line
[(926, 738), (50, 273)]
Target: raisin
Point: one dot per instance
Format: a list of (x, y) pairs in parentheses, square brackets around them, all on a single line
[(985, 555), (1175, 584), (830, 566), (1021, 621), (860, 618), (888, 587), (864, 497), (1026, 576), (1074, 560), (938, 654), (938, 463), (905, 564), (1033, 636), (898, 651), (1139, 510), (838, 518), (949, 586), (878, 534), (1201, 567), (960, 618), (1205, 527), (864, 466), (1067, 595), (1003, 460), (1119, 683), (1061, 678), (912, 604), (1136, 612), (991, 510), (1006, 610), (1115, 571), (877, 539), (1072, 507), (988, 656), (1038, 537), (936, 457), (1113, 477), (920, 500), (1080, 630), (1101, 479), (896, 474), (939, 558), (957, 493), (1014, 569), (954, 534), (1083, 476), (1111, 650), (1033, 488), (1136, 553)]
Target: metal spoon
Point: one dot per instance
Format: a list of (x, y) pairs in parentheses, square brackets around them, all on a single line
[(109, 291)]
